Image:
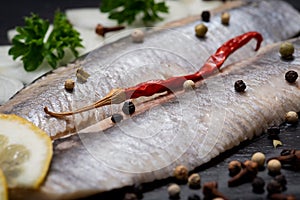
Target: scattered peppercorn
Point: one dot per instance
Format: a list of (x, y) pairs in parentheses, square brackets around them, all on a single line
[(137, 36), (194, 197), (205, 15), (115, 118), (194, 181), (188, 85), (234, 167), (291, 117), (225, 18), (274, 166), (181, 173), (174, 191), (273, 132), (130, 196), (201, 30), (239, 86), (259, 158), (258, 185), (273, 187), (82, 75), (291, 76), (69, 85), (282, 180), (128, 108), (287, 50)]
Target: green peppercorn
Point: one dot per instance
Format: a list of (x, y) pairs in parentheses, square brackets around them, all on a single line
[(286, 50), (205, 15), (258, 185), (115, 118), (201, 30), (128, 108), (239, 86), (225, 18), (291, 76)]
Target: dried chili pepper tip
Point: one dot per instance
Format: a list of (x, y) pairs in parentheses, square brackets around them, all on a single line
[(174, 191), (205, 16), (181, 173), (291, 76), (287, 50), (137, 36), (240, 86), (115, 118), (128, 108), (225, 18), (201, 30), (291, 117), (69, 85)]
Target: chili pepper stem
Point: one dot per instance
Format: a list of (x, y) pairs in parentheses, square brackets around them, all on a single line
[(115, 96)]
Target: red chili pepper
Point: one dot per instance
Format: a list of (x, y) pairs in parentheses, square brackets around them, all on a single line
[(152, 87)]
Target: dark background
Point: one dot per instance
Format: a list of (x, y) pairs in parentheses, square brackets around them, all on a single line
[(12, 12)]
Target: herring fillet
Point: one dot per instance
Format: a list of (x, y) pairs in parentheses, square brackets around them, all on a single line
[(89, 163), (92, 162), (166, 52)]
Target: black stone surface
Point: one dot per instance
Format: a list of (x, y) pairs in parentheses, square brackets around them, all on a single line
[(11, 15)]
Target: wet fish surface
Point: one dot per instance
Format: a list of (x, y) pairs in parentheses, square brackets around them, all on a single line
[(190, 128)]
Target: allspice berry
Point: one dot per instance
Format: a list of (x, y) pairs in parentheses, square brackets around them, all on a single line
[(201, 30), (181, 173), (69, 85), (194, 181), (291, 117), (225, 18)]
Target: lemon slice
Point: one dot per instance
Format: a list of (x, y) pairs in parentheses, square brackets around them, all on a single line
[(25, 152), (3, 187)]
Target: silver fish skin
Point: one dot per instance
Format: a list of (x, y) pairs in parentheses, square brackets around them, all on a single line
[(186, 129), (167, 53)]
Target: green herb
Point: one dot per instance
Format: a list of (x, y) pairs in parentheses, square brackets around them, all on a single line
[(128, 10), (33, 47)]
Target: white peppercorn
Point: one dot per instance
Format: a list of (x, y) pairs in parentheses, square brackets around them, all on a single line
[(174, 190), (291, 117), (137, 36)]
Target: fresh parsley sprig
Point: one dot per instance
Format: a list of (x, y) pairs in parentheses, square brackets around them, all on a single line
[(31, 45), (128, 10)]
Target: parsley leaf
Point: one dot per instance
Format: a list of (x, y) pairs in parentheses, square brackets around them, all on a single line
[(127, 11), (31, 45)]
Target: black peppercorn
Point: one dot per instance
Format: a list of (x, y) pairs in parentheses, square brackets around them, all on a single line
[(273, 132), (128, 108), (205, 15), (258, 185), (291, 76), (193, 197), (239, 86), (282, 180), (115, 118), (274, 187)]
